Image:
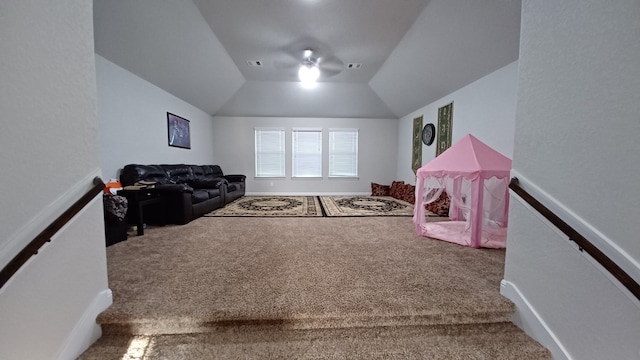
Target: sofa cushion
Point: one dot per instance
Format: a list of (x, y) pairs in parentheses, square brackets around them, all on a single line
[(197, 171), (213, 193), (380, 190), (397, 189), (174, 188), (134, 173), (179, 174), (199, 196), (440, 207), (212, 170), (409, 193), (206, 183)]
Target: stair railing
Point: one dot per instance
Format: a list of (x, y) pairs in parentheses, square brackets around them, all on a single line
[(45, 236), (583, 244)]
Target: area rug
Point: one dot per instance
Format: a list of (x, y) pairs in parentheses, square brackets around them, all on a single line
[(278, 206), (365, 206)]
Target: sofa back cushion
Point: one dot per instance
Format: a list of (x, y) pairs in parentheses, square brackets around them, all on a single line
[(197, 171), (133, 173), (397, 189), (212, 171), (440, 207), (380, 190), (179, 174)]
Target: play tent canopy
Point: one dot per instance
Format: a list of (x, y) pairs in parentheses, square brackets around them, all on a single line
[(476, 179)]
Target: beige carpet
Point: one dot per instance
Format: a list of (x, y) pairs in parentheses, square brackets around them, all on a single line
[(278, 206), (365, 206), (314, 288), (497, 341)]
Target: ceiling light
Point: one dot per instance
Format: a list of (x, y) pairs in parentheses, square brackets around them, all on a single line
[(308, 72), (307, 53)]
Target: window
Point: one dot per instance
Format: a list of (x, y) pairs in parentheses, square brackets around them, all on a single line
[(307, 153), (270, 150), (343, 153)]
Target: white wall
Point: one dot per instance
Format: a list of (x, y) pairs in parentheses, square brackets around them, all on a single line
[(576, 137), (485, 108), (133, 123), (233, 137), (49, 156)]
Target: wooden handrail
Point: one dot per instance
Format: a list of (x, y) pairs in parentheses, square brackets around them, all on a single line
[(583, 244), (45, 236)]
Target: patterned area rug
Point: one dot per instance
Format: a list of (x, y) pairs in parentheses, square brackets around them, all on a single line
[(365, 206), (282, 206)]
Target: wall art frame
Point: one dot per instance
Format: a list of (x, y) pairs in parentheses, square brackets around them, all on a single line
[(416, 149), (445, 123), (178, 131)]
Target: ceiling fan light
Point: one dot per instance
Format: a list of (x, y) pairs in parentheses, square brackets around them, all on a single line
[(307, 53), (308, 73)]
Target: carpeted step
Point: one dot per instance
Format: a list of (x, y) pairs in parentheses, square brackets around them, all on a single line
[(184, 325), (464, 341)]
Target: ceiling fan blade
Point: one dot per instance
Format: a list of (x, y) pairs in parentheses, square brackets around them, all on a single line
[(330, 65)]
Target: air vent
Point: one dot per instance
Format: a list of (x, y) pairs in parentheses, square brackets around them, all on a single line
[(257, 63), (354, 65)]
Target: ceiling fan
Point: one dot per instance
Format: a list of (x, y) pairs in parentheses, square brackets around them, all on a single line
[(311, 64), (309, 71)]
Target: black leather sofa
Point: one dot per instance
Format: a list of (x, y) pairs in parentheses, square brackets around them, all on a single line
[(188, 191)]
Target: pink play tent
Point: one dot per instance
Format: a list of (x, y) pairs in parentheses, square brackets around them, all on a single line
[(476, 179)]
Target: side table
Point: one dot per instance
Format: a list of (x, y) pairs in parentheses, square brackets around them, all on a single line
[(138, 199)]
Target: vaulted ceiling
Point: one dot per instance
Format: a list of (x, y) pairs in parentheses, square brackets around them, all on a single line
[(406, 53)]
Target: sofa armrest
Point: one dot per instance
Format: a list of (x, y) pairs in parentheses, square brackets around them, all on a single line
[(207, 183), (235, 178)]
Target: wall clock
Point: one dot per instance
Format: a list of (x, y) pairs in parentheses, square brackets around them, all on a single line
[(428, 134)]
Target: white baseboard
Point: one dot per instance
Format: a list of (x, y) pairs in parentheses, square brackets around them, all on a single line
[(86, 331), (528, 319)]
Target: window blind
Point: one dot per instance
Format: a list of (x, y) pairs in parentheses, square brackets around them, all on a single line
[(343, 153), (307, 153), (270, 150)]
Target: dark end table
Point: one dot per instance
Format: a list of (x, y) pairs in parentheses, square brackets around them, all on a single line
[(138, 199)]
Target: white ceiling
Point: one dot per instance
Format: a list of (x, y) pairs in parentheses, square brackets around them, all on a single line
[(412, 52)]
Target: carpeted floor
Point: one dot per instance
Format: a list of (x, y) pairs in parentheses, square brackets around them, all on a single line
[(317, 288), (365, 206)]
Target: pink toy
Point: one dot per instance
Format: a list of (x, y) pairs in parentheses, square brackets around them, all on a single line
[(476, 178)]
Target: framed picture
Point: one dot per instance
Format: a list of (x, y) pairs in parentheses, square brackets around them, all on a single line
[(445, 122), (416, 147), (178, 130)]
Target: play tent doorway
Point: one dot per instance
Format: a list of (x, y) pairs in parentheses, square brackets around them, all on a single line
[(476, 179)]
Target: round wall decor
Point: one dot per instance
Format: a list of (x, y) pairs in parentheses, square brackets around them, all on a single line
[(428, 134)]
